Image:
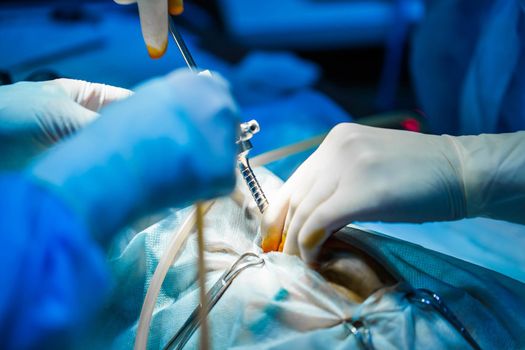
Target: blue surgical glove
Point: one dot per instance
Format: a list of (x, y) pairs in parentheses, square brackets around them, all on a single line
[(34, 115), (170, 144), (57, 277)]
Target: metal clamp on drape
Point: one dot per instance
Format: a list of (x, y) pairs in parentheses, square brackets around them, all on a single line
[(247, 260)]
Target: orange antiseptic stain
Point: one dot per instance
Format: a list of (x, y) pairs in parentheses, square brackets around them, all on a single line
[(175, 7), (270, 244), (283, 240), (313, 240), (156, 52), (272, 240)]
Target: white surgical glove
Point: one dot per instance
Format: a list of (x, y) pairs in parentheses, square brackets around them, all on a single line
[(368, 174), (154, 22), (34, 115), (170, 144)]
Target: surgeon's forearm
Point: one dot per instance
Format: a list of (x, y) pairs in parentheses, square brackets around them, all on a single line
[(54, 276), (99, 185), (493, 168), (160, 148)]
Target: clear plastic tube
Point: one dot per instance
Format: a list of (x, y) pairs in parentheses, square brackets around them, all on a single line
[(187, 227), (160, 273)]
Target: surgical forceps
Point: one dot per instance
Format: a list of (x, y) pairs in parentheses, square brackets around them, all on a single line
[(245, 130), (179, 340)]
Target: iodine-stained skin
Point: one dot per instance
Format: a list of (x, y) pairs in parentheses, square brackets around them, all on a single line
[(349, 272), (352, 271)]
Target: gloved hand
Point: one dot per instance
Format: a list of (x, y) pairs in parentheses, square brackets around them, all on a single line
[(154, 22), (34, 115), (367, 174), (170, 144)]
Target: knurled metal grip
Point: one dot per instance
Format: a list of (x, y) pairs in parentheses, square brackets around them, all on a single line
[(253, 184), (246, 132)]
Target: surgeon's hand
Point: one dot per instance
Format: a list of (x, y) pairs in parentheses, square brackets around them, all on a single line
[(172, 143), (34, 115), (154, 22), (364, 174)]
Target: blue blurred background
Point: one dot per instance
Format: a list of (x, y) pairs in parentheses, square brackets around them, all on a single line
[(358, 45), (297, 66)]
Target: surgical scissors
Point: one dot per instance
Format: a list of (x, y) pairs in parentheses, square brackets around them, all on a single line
[(179, 340)]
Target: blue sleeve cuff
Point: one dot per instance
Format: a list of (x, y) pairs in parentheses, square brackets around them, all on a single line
[(53, 276)]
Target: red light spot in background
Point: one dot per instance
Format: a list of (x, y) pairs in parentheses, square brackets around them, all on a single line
[(411, 124)]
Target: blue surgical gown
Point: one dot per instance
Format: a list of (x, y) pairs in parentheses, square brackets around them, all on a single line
[(468, 66), (52, 274)]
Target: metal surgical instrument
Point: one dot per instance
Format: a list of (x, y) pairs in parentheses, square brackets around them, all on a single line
[(186, 54), (179, 340), (244, 145), (245, 131)]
